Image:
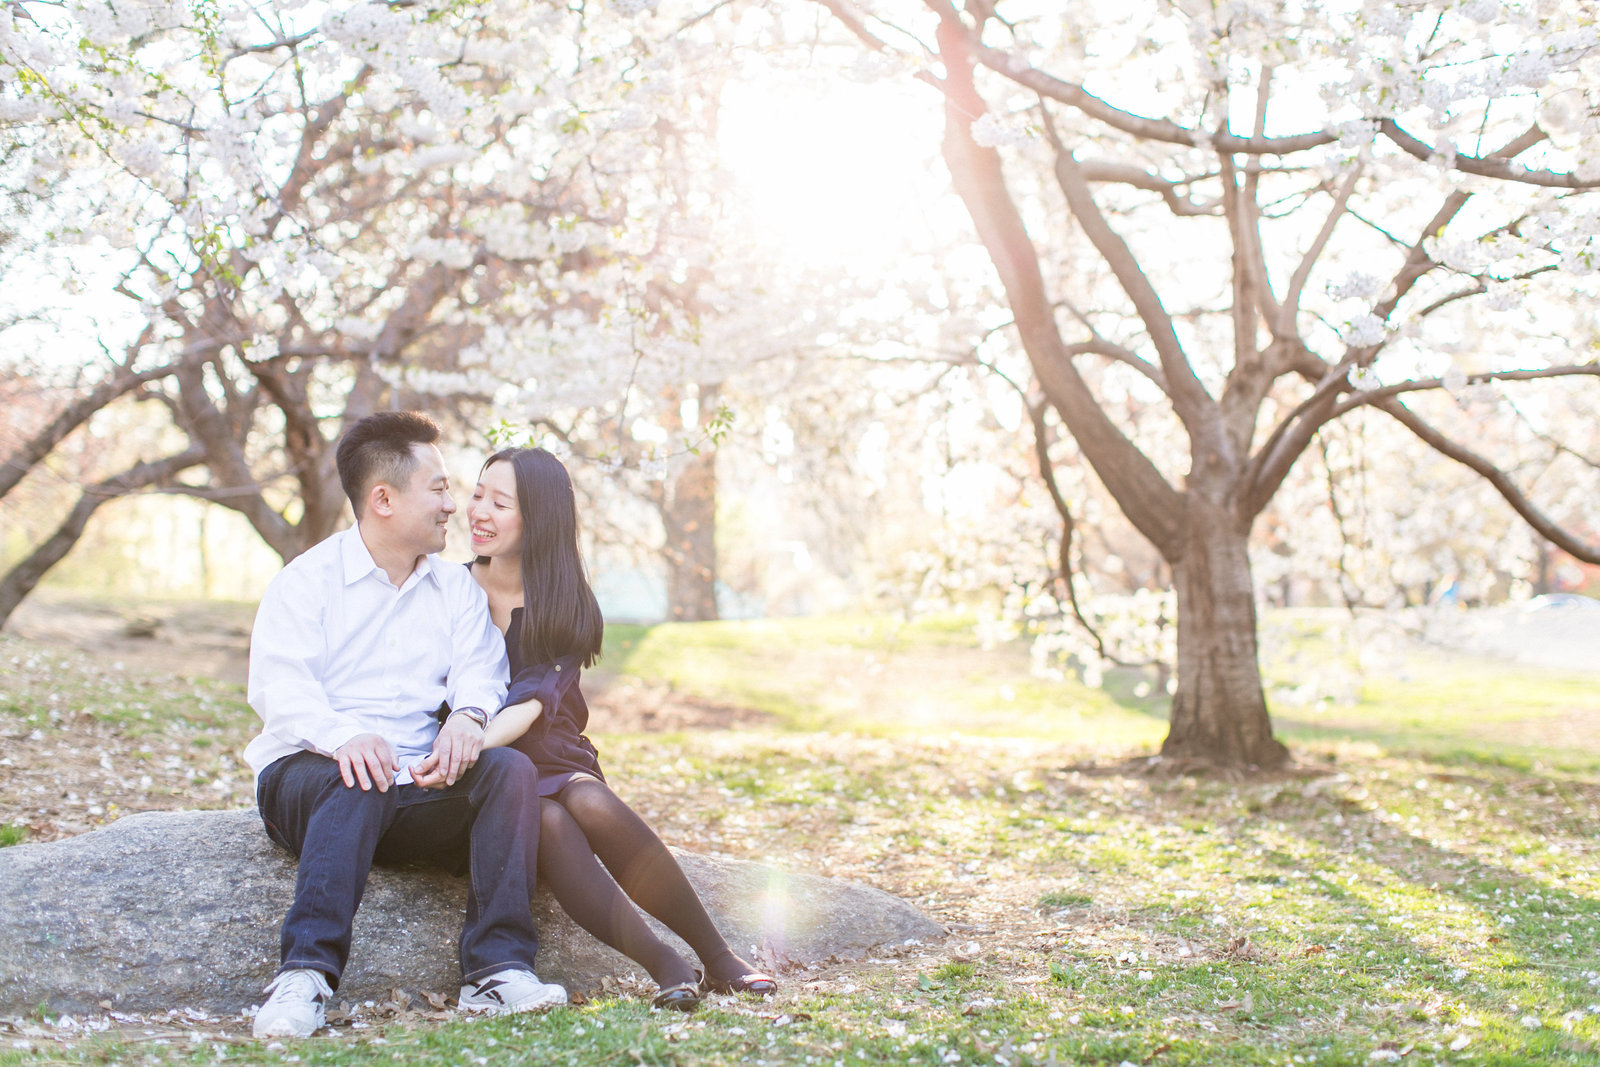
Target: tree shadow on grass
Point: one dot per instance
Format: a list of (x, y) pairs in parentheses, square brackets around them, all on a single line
[(1534, 966), (1375, 935)]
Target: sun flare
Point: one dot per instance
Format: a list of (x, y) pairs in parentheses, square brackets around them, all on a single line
[(834, 172)]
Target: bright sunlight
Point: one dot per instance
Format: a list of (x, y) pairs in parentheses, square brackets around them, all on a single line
[(835, 171)]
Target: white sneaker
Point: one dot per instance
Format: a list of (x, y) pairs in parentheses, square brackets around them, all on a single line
[(296, 1006), (510, 991)]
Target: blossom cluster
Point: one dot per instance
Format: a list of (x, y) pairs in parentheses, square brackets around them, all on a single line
[(327, 161)]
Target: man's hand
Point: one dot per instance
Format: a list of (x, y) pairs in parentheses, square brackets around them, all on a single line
[(455, 750), (367, 759)]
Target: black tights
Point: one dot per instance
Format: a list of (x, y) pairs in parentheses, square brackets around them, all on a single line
[(586, 824)]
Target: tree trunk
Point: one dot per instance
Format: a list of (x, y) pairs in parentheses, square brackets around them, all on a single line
[(1544, 580), (1219, 713), (690, 518)]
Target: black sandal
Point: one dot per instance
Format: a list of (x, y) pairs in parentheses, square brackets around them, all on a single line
[(755, 983), (684, 997)]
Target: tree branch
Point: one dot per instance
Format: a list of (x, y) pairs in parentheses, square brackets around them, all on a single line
[(1485, 468), (1283, 327), (1189, 397), (1112, 351), (1250, 212), (1105, 170), (36, 448), (306, 164), (1351, 602), (1495, 165), (854, 24), (270, 46), (1369, 397), (219, 436), (22, 578), (1013, 66), (1417, 262), (1041, 450), (1249, 378), (1150, 503)]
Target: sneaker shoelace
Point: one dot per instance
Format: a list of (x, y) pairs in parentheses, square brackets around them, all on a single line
[(304, 984)]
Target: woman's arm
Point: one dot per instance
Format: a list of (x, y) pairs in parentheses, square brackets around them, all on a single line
[(512, 722)]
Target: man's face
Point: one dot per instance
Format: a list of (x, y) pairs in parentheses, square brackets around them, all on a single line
[(422, 509)]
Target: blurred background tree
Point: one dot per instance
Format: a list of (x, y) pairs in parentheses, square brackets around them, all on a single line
[(1198, 310)]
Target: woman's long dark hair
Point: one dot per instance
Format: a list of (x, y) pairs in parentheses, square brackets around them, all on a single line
[(560, 616)]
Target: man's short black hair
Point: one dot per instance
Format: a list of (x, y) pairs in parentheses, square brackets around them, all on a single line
[(378, 449)]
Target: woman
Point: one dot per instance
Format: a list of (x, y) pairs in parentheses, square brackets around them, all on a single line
[(525, 535)]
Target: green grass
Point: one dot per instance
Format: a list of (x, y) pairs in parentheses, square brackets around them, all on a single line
[(12, 835), (875, 676), (39, 687), (1065, 898), (1453, 709), (1427, 892)]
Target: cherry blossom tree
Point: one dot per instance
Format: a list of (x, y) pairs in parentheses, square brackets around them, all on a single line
[(312, 211), (1260, 218)]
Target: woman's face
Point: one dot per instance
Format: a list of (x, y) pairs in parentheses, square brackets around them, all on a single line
[(496, 522)]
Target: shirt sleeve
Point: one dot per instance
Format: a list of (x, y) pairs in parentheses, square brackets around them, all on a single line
[(548, 683), (478, 666), (287, 663)]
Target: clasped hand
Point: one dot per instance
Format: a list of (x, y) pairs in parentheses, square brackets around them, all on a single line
[(455, 750), (368, 760)]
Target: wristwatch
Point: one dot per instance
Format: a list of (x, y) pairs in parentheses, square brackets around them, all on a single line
[(475, 714)]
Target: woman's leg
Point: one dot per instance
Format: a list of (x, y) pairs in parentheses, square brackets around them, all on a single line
[(567, 864), (646, 871)]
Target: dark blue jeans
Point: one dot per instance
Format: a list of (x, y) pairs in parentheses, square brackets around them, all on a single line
[(487, 825)]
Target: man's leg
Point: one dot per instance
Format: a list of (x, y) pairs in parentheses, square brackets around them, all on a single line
[(335, 830), (491, 817)]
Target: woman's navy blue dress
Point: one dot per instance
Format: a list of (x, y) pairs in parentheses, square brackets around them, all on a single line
[(555, 742)]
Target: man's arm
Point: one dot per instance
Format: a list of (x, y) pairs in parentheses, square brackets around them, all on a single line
[(477, 680), (287, 665), (478, 667)]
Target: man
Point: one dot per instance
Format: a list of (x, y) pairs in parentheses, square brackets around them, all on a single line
[(356, 644)]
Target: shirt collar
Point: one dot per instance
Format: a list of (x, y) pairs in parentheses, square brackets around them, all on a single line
[(357, 561)]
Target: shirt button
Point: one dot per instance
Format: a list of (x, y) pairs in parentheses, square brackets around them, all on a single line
[(558, 668)]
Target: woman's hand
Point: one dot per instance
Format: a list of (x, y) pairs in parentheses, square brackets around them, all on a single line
[(512, 722), (455, 750)]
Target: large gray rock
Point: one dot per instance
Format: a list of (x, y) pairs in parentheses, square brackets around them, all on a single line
[(176, 909)]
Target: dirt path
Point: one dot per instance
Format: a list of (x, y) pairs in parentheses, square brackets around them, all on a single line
[(195, 639)]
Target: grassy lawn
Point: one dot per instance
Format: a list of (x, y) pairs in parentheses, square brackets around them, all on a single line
[(1401, 696), (1424, 889), (879, 677)]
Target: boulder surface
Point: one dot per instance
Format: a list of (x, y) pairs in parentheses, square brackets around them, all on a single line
[(182, 909)]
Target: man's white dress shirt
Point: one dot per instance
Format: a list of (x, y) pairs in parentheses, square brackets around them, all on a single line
[(338, 651)]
